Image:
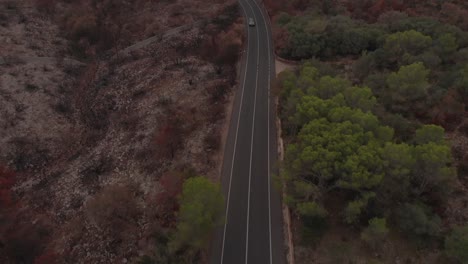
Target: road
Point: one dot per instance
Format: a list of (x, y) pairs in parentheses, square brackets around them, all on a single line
[(253, 232)]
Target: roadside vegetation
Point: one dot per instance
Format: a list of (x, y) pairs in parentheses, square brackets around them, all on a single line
[(375, 126)]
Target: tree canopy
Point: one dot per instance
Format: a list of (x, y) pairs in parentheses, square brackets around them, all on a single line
[(339, 143), (201, 208)]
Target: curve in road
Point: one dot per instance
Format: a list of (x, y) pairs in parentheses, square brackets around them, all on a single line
[(253, 232)]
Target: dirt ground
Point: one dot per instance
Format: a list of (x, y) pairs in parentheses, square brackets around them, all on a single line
[(283, 66)]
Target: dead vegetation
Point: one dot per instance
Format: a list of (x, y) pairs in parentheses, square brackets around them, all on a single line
[(100, 140)]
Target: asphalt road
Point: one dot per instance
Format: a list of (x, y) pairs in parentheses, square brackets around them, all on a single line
[(253, 232)]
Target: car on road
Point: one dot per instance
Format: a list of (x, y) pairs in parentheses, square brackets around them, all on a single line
[(251, 22)]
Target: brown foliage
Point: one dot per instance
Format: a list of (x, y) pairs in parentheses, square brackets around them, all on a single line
[(223, 48), (7, 180), (46, 6), (372, 9), (48, 257), (218, 92), (114, 209), (216, 112), (165, 201), (275, 6), (281, 36), (449, 112), (454, 14), (213, 141), (24, 241), (169, 136), (94, 26), (463, 128), (463, 167), (299, 4)]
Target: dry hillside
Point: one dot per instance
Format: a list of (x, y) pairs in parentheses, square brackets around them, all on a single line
[(95, 139)]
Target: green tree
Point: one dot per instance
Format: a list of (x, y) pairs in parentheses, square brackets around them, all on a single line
[(398, 163), (417, 220), (201, 208), (328, 87), (409, 42), (354, 209), (364, 66), (312, 107), (462, 81), (367, 121), (456, 244), (283, 19), (355, 41), (360, 97), (429, 133), (301, 43), (308, 77), (375, 233), (305, 191), (446, 45), (334, 154), (433, 171), (407, 86)]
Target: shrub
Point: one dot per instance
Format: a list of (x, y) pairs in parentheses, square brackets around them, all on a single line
[(456, 244), (113, 209), (213, 141), (376, 232), (46, 6), (166, 200), (283, 19), (416, 220), (169, 136), (48, 257), (313, 218), (7, 180), (24, 241)]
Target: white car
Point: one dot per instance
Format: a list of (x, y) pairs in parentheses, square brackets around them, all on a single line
[(251, 22)]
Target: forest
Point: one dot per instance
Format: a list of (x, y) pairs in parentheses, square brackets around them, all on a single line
[(375, 124)]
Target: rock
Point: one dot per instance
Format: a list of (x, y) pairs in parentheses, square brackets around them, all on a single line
[(124, 260)]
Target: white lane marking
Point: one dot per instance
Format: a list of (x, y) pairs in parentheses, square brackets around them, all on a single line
[(269, 165), (235, 139), (251, 140)]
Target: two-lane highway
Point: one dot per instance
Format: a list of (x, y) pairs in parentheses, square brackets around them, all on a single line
[(253, 229)]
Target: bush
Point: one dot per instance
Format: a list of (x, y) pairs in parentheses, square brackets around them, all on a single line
[(314, 222), (113, 209), (355, 209), (364, 66), (7, 180), (212, 141), (24, 241), (168, 138), (407, 86), (376, 232), (48, 257), (46, 6), (456, 244), (283, 19), (417, 221), (165, 203)]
